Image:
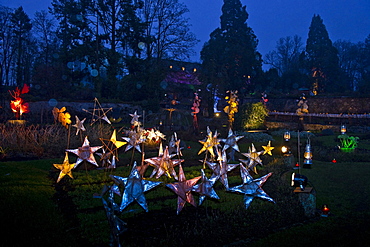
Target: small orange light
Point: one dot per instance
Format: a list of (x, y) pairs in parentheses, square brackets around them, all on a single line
[(325, 210)]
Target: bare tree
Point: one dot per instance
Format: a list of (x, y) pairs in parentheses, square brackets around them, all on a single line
[(286, 56), (7, 52), (168, 35)]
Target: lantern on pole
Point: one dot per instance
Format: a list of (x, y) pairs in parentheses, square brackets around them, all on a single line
[(307, 155), (287, 136), (343, 129), (285, 149)]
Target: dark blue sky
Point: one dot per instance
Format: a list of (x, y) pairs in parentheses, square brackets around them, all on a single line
[(269, 19)]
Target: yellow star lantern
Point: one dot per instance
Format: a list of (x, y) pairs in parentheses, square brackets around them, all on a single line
[(65, 168), (113, 148), (268, 149), (209, 143)]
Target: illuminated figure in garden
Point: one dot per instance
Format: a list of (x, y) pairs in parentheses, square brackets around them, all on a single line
[(232, 108), (17, 105), (195, 111)]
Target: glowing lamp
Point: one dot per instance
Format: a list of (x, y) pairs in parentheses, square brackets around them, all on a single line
[(307, 156), (287, 136), (343, 129), (285, 150), (217, 114), (299, 180), (325, 210), (334, 161)]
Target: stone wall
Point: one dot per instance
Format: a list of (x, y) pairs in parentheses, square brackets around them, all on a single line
[(344, 105)]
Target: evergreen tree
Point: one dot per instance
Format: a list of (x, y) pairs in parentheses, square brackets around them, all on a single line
[(322, 59), (364, 85), (230, 59)]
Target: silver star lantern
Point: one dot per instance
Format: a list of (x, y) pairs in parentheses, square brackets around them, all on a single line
[(65, 168), (221, 168), (205, 188), (79, 125), (254, 159), (183, 190), (252, 188), (135, 119), (135, 186), (85, 153), (164, 164), (174, 145), (133, 141), (231, 141), (105, 158), (117, 226)]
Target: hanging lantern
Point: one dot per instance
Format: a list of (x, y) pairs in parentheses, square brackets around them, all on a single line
[(287, 136), (343, 129), (307, 156)]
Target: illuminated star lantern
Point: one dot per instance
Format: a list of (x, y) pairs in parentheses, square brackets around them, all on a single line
[(65, 168), (205, 188), (113, 145), (210, 143), (117, 225), (135, 186), (267, 149), (135, 119), (98, 113), (174, 145), (155, 135), (105, 158), (231, 141), (153, 162), (164, 164), (85, 153), (221, 168), (183, 190), (133, 140), (251, 188), (254, 159), (79, 125)]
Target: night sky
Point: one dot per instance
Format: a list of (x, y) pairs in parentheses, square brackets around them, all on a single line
[(269, 19)]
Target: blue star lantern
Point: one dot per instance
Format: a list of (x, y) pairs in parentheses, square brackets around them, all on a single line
[(135, 186), (251, 188)]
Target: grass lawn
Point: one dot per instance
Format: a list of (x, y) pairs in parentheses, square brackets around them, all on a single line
[(35, 211)]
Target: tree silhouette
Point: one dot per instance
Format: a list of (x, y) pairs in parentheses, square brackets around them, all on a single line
[(322, 58), (230, 59)]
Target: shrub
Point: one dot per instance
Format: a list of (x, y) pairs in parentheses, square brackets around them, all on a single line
[(253, 115)]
